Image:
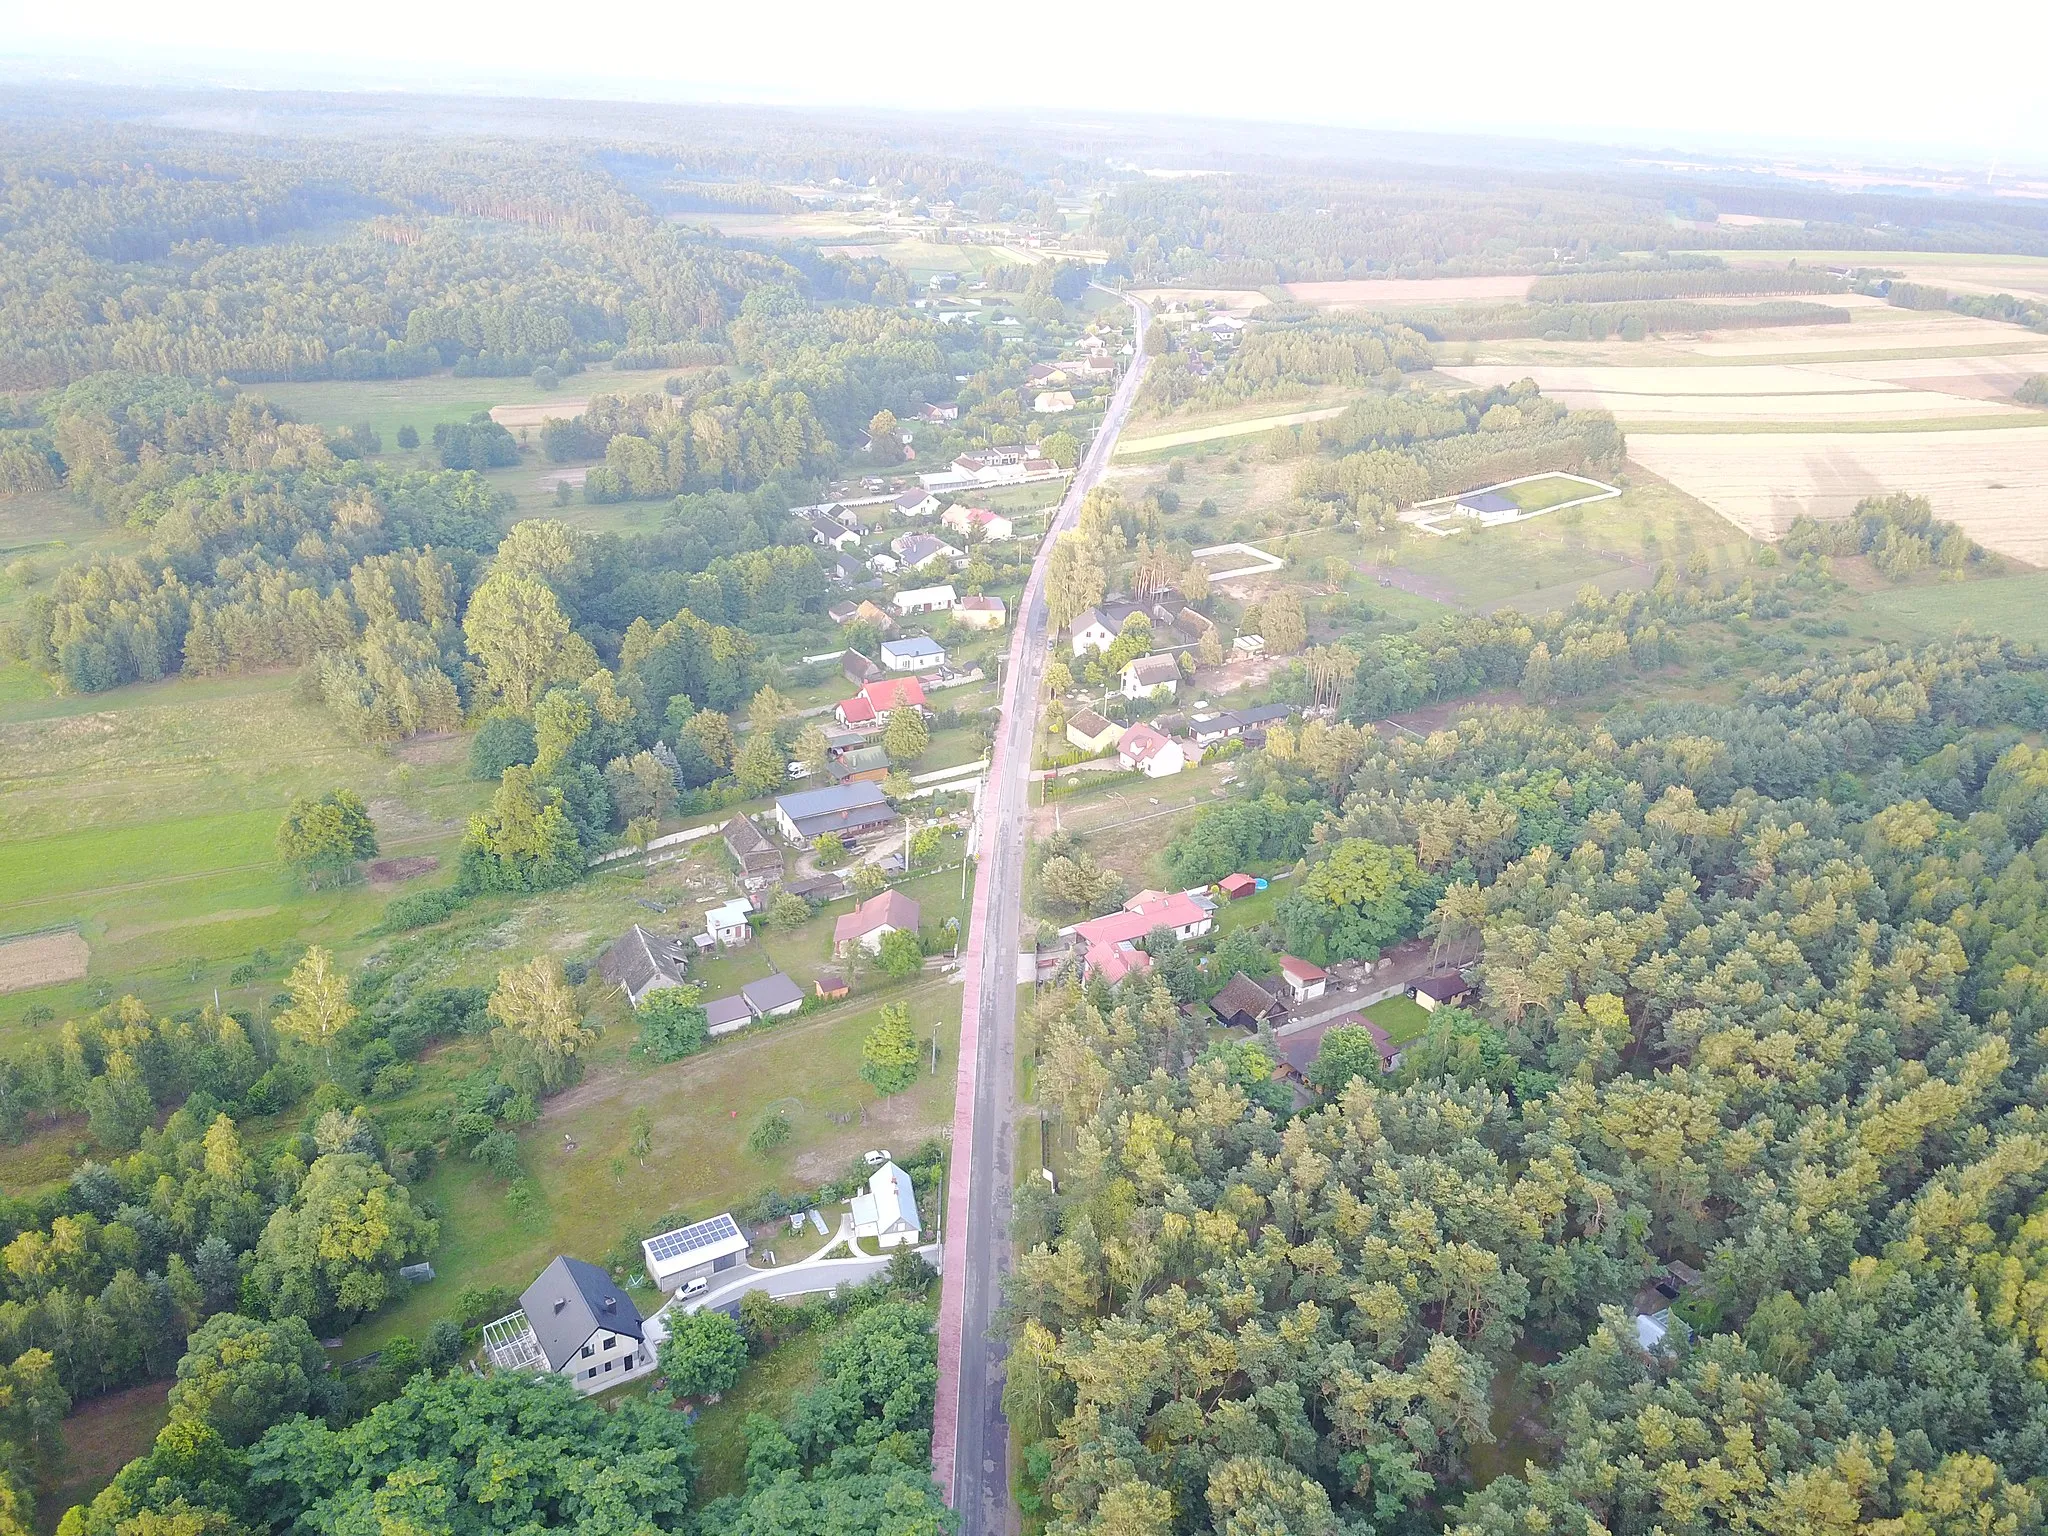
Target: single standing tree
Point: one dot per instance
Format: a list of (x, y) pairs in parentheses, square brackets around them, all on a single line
[(672, 1022), (829, 849), (320, 1008), (760, 766), (327, 837), (811, 748), (703, 1354), (769, 711), (1346, 1053), (518, 632), (888, 1056), (240, 1376), (535, 1006), (906, 736), (900, 954), (1062, 447), (332, 1253), (869, 881)]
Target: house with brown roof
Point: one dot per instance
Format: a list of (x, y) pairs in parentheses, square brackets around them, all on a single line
[(1301, 979), (978, 610), (1432, 992), (1091, 732), (1151, 677), (874, 920)]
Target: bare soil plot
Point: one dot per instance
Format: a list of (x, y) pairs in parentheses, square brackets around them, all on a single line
[(1991, 482), (42, 960), (392, 871), (1387, 292), (513, 417)]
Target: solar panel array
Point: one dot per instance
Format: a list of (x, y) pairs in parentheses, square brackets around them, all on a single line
[(672, 1245)]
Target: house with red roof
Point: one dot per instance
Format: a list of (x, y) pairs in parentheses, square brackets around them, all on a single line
[(1302, 980), (1111, 943), (876, 699)]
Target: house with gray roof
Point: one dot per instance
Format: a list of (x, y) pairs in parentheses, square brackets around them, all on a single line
[(760, 861), (576, 1321), (641, 962), (856, 811)]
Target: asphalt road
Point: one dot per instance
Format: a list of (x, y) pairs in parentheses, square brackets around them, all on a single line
[(979, 1475)]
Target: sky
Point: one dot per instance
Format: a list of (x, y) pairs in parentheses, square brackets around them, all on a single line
[(1793, 73)]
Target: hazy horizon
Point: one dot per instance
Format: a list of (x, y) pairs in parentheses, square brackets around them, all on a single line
[(1825, 88)]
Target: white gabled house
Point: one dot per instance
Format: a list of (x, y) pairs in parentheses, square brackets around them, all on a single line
[(888, 1211)]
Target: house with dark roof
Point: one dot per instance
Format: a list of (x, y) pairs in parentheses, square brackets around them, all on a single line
[(1243, 1003), (640, 962), (768, 998), (856, 812), (576, 1321), (1091, 732), (1488, 506), (760, 861), (858, 668), (1432, 992), (913, 653)]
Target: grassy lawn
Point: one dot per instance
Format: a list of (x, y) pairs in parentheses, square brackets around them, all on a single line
[(701, 1110), (146, 816), (2011, 607), (388, 404), (101, 1437), (1547, 492), (768, 1385), (1401, 1017)]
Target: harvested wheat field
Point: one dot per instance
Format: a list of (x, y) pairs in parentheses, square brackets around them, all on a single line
[(1764, 392), (42, 960), (1994, 483), (1411, 292), (513, 417)]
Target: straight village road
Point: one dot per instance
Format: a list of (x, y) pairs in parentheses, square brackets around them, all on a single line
[(970, 1437)]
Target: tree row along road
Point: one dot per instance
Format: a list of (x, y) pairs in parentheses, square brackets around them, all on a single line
[(970, 1439)]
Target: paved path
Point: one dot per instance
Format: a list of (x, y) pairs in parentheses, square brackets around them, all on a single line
[(970, 1438)]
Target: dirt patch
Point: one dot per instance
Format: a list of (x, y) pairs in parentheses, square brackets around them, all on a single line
[(43, 960), (391, 871), (432, 749), (1438, 717), (1413, 582)]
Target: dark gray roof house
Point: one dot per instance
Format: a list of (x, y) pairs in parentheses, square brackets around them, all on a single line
[(570, 1302), (851, 810), (641, 962), (722, 1014), (759, 858), (1243, 1003)]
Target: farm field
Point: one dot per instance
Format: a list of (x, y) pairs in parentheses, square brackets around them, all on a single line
[(147, 816), (388, 404), (1990, 482), (1773, 392), (1960, 272), (1403, 292)]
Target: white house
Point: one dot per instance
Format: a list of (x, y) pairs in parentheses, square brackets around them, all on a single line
[(913, 653), (577, 1322), (1152, 754), (915, 549), (726, 925), (980, 611), (888, 1211), (697, 1251), (1151, 677), (882, 563), (964, 520), (1053, 402), (1490, 507), (1093, 631), (939, 599), (1303, 980)]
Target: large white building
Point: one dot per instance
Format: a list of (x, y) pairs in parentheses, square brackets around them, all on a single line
[(694, 1252)]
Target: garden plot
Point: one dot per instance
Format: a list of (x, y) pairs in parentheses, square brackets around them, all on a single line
[(1991, 482)]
